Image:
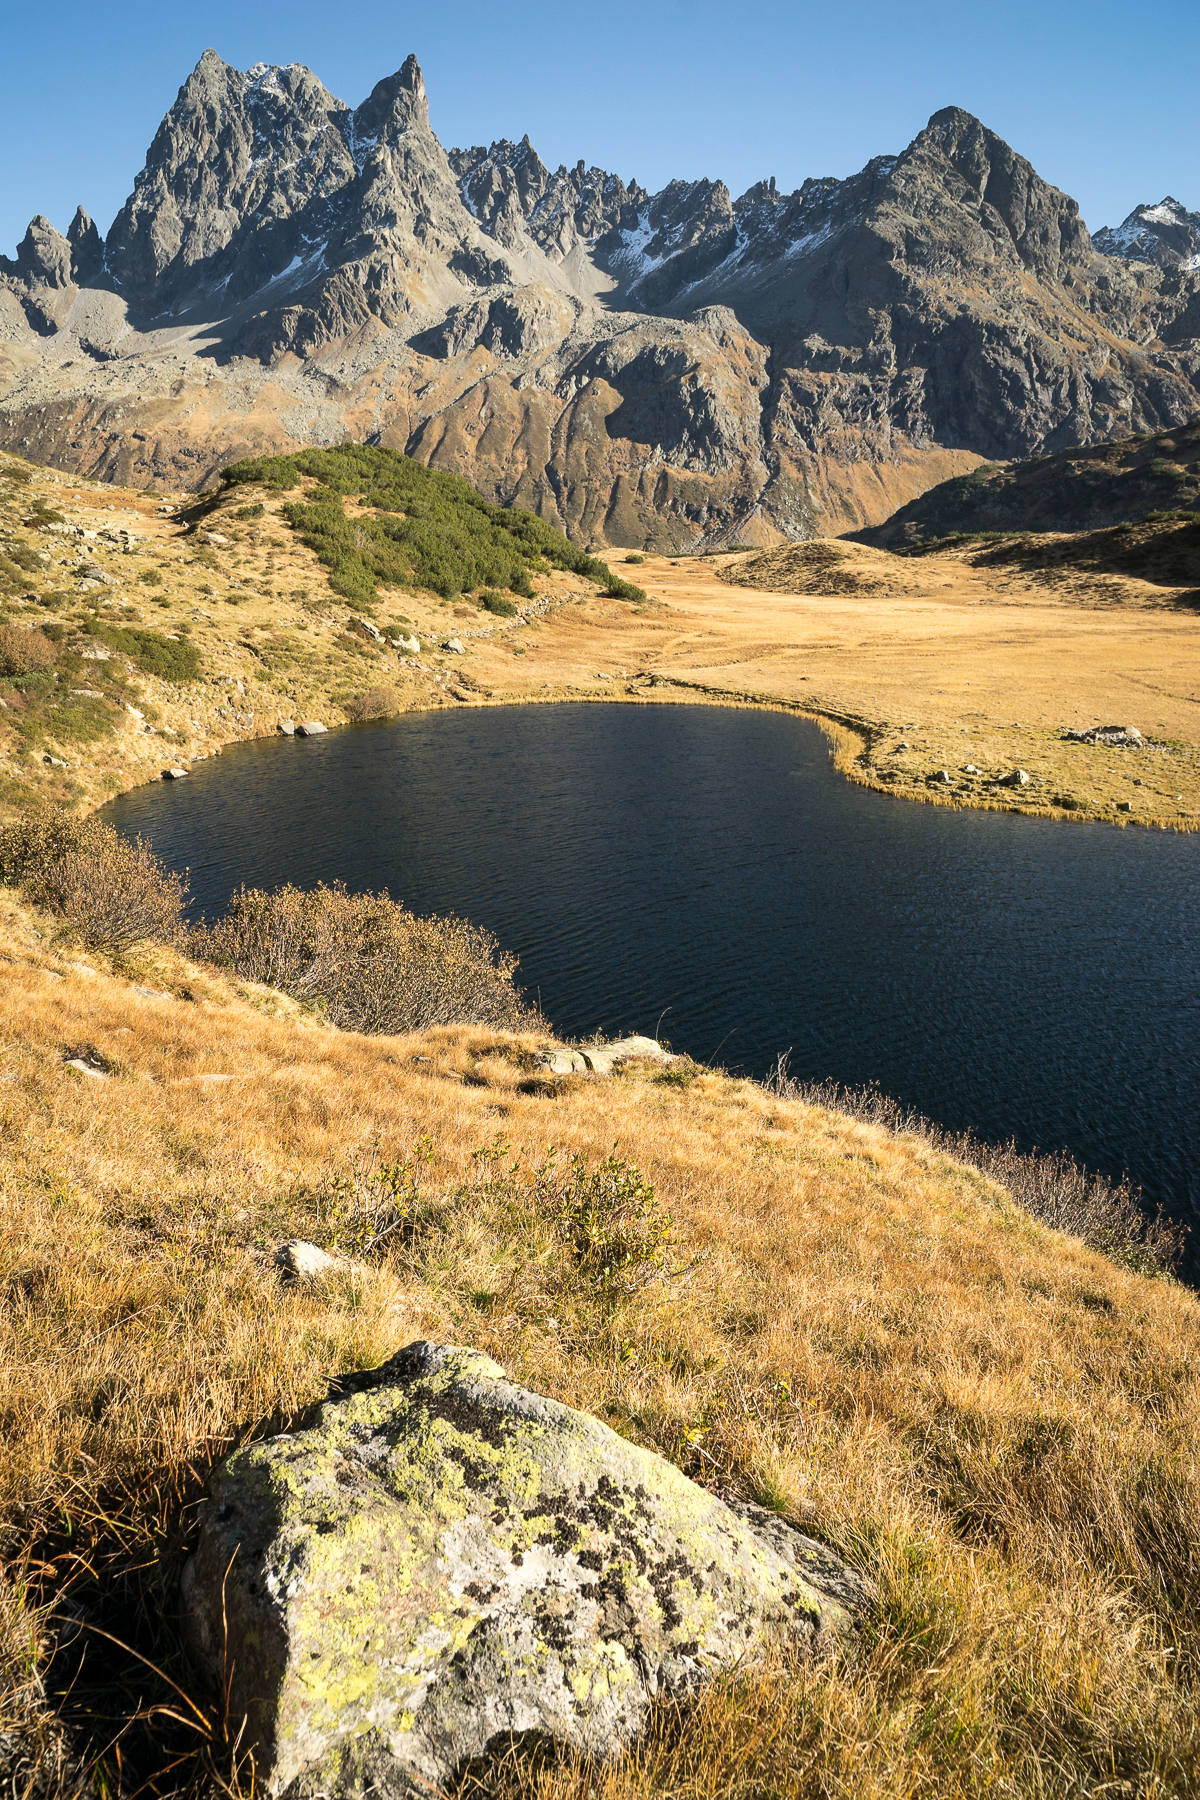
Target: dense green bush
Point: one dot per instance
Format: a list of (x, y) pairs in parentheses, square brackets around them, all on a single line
[(430, 529), (110, 893), (497, 604), (153, 654), (366, 962)]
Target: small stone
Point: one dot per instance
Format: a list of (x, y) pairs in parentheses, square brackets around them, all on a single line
[(1124, 805), (303, 1261), (83, 1067), (174, 774), (311, 728), (55, 762), (287, 727), (1017, 778), (454, 644), (941, 778)]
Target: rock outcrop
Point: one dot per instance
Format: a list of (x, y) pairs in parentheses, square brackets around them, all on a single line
[(1083, 489), (649, 370), (442, 1561)]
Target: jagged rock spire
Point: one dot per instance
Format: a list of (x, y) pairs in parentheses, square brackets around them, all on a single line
[(395, 105)]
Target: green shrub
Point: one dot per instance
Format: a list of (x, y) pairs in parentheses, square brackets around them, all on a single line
[(616, 589), (635, 559), (250, 512), (151, 577), (153, 654), (609, 1220), (110, 893), (430, 529), (367, 963), (496, 603)]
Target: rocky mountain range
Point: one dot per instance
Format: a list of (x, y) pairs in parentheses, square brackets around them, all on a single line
[(648, 370)]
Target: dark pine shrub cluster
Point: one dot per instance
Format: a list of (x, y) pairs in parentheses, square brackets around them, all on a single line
[(421, 528), (367, 963)]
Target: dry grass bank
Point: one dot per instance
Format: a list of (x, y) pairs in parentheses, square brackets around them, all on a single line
[(998, 1422)]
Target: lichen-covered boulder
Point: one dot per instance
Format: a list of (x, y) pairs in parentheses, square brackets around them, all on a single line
[(442, 1560)]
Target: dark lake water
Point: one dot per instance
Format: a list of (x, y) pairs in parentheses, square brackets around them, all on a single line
[(709, 868)]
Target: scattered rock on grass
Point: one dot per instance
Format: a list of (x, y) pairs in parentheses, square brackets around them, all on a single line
[(302, 1260), (600, 1059), (442, 1560)]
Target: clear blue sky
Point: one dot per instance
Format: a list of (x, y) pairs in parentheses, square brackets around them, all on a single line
[(1100, 100)]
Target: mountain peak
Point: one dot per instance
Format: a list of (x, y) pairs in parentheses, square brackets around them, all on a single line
[(1166, 234), (395, 105)]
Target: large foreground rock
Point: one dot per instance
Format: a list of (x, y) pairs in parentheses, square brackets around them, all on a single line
[(442, 1559)]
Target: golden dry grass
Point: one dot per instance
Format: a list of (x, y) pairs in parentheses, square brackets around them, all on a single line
[(997, 1422)]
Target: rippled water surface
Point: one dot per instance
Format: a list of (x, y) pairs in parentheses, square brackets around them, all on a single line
[(708, 867)]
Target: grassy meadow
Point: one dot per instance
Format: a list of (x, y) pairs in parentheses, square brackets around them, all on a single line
[(994, 1420)]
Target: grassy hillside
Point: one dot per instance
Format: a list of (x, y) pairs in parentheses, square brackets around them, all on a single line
[(838, 1319), (414, 526), (138, 635), (1078, 490)]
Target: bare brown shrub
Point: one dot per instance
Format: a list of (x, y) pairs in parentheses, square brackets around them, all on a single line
[(376, 703), (1108, 1216), (365, 961), (111, 893), (24, 650)]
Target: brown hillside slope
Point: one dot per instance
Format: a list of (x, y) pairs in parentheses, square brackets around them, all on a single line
[(996, 1422)]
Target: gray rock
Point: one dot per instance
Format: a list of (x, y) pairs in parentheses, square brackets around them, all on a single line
[(563, 1062), (310, 728), (55, 762), (454, 645), (442, 1558), (601, 1059), (411, 646), (1121, 735), (1016, 778), (940, 778), (287, 727)]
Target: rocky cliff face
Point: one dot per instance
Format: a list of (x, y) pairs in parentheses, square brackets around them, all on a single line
[(644, 369)]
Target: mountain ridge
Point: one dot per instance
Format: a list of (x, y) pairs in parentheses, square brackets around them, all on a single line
[(640, 369)]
